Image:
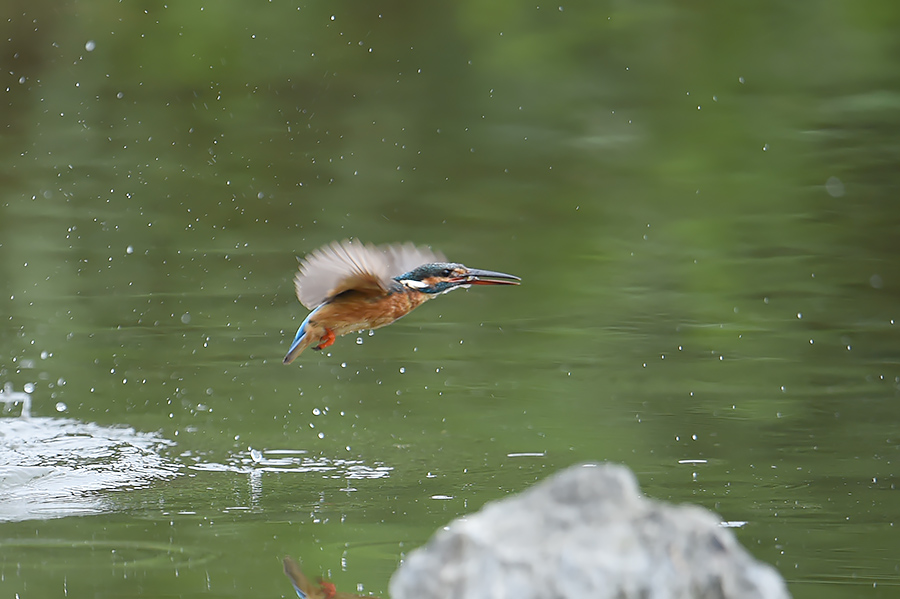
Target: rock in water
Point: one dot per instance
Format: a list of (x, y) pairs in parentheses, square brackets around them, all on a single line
[(586, 532)]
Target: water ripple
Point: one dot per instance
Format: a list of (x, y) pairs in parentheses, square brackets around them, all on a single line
[(55, 467), (293, 460)]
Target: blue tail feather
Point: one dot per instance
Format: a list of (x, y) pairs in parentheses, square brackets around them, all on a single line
[(298, 339)]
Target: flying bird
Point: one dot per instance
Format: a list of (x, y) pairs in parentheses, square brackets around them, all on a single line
[(351, 286)]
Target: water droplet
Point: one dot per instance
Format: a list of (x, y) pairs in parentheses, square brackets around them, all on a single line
[(90, 45), (61, 407), (834, 187)]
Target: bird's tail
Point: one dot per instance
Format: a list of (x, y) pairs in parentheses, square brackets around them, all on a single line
[(301, 341)]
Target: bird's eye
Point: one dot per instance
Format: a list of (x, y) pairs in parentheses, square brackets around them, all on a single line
[(446, 272)]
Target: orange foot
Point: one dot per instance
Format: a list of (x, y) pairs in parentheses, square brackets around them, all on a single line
[(326, 340), (326, 586)]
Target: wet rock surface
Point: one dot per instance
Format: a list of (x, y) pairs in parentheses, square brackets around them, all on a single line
[(586, 532)]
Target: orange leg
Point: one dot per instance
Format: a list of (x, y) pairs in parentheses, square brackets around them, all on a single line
[(326, 340), (327, 588)]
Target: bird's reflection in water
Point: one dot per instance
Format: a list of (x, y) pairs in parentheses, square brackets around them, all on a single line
[(306, 590)]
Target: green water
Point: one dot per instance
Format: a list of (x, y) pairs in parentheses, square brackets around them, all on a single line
[(700, 198)]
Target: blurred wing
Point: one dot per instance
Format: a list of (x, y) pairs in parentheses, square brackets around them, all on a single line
[(339, 267), (405, 257), (304, 589)]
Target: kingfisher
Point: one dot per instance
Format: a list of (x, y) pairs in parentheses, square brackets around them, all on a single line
[(350, 286)]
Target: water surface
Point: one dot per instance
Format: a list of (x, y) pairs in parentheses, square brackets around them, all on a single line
[(700, 200)]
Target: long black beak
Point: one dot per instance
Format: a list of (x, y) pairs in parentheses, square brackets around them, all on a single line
[(475, 276)]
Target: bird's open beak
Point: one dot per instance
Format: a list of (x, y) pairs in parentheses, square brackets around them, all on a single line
[(475, 276)]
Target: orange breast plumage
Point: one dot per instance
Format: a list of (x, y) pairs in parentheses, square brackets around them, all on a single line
[(351, 312)]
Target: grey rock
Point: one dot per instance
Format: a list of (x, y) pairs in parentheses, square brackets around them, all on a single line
[(585, 532)]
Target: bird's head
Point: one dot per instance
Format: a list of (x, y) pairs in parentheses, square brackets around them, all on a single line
[(441, 277)]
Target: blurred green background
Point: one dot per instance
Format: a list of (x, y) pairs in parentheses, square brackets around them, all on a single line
[(701, 199)]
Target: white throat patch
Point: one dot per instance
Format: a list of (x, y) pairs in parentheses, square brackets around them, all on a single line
[(413, 284), (448, 290)]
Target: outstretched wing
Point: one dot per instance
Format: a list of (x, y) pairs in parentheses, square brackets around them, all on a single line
[(339, 267), (407, 256)]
